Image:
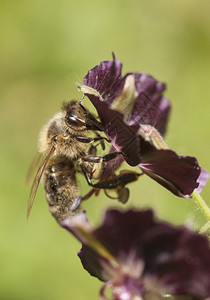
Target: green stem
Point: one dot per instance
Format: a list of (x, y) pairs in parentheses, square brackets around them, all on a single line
[(205, 228), (201, 204)]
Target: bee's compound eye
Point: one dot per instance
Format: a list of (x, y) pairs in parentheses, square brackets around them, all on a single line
[(74, 121)]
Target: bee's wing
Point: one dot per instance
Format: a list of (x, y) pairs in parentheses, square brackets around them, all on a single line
[(32, 167), (37, 179)]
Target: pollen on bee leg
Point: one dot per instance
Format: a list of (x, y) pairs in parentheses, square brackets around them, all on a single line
[(97, 169), (76, 203)]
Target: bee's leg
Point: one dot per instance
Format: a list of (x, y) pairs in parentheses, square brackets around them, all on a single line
[(88, 140), (102, 141), (93, 148), (117, 182), (92, 123), (99, 159), (98, 162), (120, 180)]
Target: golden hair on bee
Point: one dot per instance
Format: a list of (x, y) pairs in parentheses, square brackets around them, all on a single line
[(63, 143)]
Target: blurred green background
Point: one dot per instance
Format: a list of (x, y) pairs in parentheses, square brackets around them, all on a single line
[(47, 46)]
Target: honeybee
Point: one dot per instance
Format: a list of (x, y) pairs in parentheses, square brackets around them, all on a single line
[(63, 143)]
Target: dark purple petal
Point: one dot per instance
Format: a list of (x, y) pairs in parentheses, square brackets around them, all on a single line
[(92, 249), (150, 106), (188, 268), (179, 174), (162, 115), (177, 259), (123, 103), (122, 136), (93, 263), (141, 98), (121, 232), (102, 77), (147, 84), (146, 111)]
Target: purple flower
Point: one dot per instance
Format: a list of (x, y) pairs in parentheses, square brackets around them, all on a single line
[(134, 114), (136, 255)]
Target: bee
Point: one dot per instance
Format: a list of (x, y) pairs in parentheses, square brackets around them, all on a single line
[(63, 143)]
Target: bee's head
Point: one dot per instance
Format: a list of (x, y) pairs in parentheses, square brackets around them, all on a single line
[(75, 115)]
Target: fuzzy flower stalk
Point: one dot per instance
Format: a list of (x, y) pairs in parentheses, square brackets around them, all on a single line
[(135, 113), (139, 257)]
